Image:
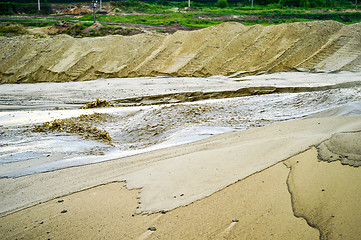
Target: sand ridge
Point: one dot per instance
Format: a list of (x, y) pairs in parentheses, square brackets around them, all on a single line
[(225, 49)]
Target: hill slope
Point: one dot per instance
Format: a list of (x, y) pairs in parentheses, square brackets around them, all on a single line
[(224, 49)]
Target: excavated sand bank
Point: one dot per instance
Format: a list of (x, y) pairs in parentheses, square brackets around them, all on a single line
[(225, 49)]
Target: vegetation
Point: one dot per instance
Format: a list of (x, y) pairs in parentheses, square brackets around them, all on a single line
[(167, 19), (12, 29), (204, 13), (222, 3), (213, 16)]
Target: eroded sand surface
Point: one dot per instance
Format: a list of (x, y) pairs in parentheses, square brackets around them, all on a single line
[(345, 147), (326, 194), (43, 127), (225, 49), (202, 167), (258, 207), (243, 184)]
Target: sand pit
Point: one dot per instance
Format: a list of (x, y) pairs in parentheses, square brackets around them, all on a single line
[(225, 49), (263, 182)]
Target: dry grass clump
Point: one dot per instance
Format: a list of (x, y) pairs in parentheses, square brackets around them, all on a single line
[(82, 125), (98, 104)]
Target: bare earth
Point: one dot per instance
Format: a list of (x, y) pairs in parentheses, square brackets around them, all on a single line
[(225, 49), (184, 176), (261, 203), (292, 180)]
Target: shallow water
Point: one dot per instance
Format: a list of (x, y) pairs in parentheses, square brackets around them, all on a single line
[(138, 129)]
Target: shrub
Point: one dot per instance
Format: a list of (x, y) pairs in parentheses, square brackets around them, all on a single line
[(222, 3)]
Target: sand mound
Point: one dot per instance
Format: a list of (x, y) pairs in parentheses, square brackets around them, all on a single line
[(225, 49), (77, 11)]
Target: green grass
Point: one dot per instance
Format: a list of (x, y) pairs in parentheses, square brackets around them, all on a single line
[(167, 19), (216, 16), (203, 15)]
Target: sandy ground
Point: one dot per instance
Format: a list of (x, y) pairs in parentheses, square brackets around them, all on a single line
[(327, 195), (224, 49), (261, 183), (202, 167), (261, 203), (258, 207), (200, 188), (163, 90)]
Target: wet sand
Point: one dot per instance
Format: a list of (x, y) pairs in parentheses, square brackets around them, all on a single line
[(261, 203), (298, 198), (258, 207), (202, 167)]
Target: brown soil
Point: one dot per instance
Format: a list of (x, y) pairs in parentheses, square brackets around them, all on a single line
[(98, 104)]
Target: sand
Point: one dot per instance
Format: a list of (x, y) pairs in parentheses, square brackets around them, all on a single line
[(165, 90), (327, 195), (225, 49), (202, 167), (344, 147), (262, 183), (291, 180), (261, 203)]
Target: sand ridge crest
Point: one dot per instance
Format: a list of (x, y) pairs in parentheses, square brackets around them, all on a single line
[(223, 49)]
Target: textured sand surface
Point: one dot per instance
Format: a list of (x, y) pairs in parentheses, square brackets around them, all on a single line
[(345, 147), (325, 194), (177, 176), (261, 203), (225, 49)]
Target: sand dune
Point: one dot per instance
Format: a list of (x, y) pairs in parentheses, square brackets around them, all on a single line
[(225, 49)]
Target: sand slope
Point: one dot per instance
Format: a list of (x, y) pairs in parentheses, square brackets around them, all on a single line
[(220, 50)]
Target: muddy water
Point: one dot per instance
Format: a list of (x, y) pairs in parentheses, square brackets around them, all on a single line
[(43, 128)]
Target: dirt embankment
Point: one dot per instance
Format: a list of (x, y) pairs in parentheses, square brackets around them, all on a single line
[(225, 49)]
